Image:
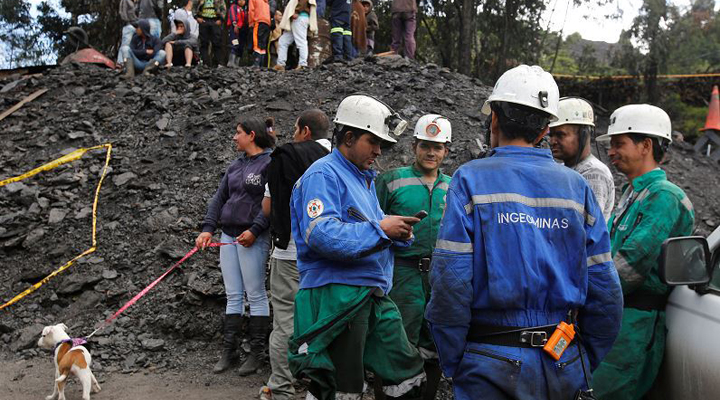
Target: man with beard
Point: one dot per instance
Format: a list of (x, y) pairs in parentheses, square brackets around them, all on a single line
[(570, 142)]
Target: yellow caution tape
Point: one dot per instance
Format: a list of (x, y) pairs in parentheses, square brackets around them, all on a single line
[(47, 167)]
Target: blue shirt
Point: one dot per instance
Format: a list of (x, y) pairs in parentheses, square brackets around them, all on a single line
[(335, 219), (522, 242)]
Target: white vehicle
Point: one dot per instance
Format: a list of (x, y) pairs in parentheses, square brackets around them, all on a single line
[(691, 368)]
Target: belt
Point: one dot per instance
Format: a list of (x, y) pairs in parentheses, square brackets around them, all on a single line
[(645, 301), (422, 263), (513, 336)]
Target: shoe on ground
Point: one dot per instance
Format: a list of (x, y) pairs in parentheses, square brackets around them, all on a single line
[(251, 366), (228, 358), (150, 68), (279, 67), (265, 393)]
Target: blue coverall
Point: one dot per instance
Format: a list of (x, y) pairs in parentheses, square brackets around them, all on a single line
[(523, 241), (340, 33)]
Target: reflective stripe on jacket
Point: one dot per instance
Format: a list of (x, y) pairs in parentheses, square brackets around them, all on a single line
[(520, 244), (653, 210), (402, 191), (335, 219)]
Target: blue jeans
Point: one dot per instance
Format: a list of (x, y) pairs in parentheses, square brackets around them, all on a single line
[(127, 34), (243, 271), (140, 64)]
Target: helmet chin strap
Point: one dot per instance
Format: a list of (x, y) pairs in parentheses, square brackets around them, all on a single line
[(582, 143)]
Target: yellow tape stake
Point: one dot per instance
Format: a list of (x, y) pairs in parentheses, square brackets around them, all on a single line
[(47, 167)]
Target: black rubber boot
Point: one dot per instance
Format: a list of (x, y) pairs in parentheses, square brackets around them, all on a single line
[(433, 373), (233, 326), (259, 327), (129, 69), (151, 67)]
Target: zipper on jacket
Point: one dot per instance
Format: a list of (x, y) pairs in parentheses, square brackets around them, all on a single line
[(516, 363), (430, 211)]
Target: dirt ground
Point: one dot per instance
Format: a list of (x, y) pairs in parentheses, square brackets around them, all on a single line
[(32, 379)]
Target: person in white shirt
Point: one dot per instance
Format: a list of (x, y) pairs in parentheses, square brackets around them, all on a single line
[(570, 142), (289, 162)]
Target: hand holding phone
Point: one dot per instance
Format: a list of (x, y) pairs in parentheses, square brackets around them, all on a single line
[(421, 214)]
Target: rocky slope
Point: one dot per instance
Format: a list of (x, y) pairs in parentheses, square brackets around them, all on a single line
[(172, 141)]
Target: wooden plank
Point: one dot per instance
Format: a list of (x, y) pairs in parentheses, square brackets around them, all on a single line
[(22, 102)]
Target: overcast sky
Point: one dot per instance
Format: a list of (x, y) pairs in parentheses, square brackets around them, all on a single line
[(591, 21)]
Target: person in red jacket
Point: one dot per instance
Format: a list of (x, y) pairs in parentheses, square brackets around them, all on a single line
[(236, 21), (259, 21)]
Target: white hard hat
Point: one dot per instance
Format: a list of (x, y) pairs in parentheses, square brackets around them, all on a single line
[(370, 114), (639, 118), (433, 128), (527, 86), (574, 111)]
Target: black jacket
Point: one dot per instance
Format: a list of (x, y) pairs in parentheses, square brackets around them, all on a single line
[(288, 163), (139, 45)]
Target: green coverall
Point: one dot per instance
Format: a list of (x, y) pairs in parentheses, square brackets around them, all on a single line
[(402, 191), (649, 212), (329, 320)]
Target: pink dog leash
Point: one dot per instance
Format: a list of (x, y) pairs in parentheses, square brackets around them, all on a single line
[(142, 293)]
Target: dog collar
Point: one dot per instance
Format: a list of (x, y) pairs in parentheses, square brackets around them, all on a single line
[(74, 342)]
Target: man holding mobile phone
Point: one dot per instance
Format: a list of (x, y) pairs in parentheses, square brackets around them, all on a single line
[(404, 191), (344, 322)]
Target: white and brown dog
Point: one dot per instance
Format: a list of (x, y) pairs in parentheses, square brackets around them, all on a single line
[(70, 357)]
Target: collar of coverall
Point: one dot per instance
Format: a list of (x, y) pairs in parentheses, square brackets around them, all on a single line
[(367, 174), (419, 173), (504, 151), (644, 180)]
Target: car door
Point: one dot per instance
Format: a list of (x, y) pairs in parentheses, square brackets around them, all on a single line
[(691, 367)]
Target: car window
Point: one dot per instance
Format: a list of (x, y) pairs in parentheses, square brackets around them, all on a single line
[(715, 281)]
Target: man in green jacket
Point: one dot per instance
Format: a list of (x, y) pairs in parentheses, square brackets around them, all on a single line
[(405, 191), (650, 210)]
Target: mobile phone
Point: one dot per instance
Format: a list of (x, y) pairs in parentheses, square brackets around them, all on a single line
[(421, 214)]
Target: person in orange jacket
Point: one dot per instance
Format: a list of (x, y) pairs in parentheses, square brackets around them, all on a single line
[(259, 21)]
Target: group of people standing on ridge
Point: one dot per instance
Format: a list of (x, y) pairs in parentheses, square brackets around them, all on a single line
[(263, 27), (518, 277)]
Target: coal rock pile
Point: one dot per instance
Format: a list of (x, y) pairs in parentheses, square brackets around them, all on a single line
[(172, 137)]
